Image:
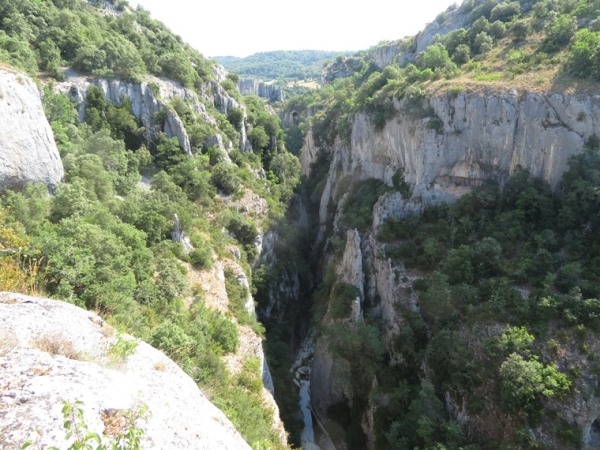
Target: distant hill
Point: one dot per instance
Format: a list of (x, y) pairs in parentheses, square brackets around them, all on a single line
[(289, 65)]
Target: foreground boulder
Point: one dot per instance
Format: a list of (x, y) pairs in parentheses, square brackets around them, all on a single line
[(51, 352)]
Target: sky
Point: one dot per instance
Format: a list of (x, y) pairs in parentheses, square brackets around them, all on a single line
[(242, 27)]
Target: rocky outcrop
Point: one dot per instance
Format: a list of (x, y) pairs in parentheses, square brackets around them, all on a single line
[(147, 99), (308, 153), (52, 351), (28, 153), (386, 53), (268, 90), (350, 271), (154, 95), (342, 68), (405, 51)]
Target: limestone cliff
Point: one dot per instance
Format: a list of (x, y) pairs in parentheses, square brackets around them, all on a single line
[(267, 90), (52, 352), (154, 95), (448, 143), (28, 152)]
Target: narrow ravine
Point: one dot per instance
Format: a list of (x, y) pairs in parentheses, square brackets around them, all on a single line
[(301, 371)]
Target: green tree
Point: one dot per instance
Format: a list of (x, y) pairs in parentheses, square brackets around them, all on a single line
[(585, 54), (560, 32), (462, 54), (225, 178), (525, 381), (171, 339), (259, 138), (434, 57)]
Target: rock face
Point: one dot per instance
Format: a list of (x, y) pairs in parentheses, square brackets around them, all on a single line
[(405, 51), (342, 68), (263, 89), (449, 143), (52, 351), (28, 152)]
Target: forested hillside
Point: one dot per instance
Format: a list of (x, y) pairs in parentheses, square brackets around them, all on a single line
[(139, 229), (280, 65)]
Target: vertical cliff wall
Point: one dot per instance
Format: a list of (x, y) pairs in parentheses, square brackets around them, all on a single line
[(154, 95), (450, 142), (28, 153)]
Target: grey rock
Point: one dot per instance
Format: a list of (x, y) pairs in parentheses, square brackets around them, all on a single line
[(28, 153), (263, 89), (180, 416), (350, 271), (480, 136), (342, 68), (153, 95)]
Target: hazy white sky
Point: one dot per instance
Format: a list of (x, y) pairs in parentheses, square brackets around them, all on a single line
[(242, 27)]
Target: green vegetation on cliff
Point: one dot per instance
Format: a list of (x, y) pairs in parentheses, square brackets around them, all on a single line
[(496, 326)]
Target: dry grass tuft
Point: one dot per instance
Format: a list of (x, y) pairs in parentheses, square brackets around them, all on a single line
[(40, 371), (7, 343), (115, 422), (160, 366), (57, 344)]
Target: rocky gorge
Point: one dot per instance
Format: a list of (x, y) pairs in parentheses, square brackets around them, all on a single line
[(430, 283)]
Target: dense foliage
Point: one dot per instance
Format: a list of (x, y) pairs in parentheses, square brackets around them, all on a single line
[(280, 65), (47, 35), (520, 255)]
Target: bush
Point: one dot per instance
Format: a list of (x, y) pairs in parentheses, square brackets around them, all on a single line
[(505, 11), (560, 33), (225, 178), (525, 381), (171, 339), (243, 230), (342, 296), (358, 208), (585, 55), (201, 258)]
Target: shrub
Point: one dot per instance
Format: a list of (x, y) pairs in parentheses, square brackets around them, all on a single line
[(560, 32), (585, 55), (242, 229), (225, 178), (171, 339), (400, 183), (358, 208), (462, 54), (520, 30), (505, 11), (342, 296), (525, 381), (121, 425)]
